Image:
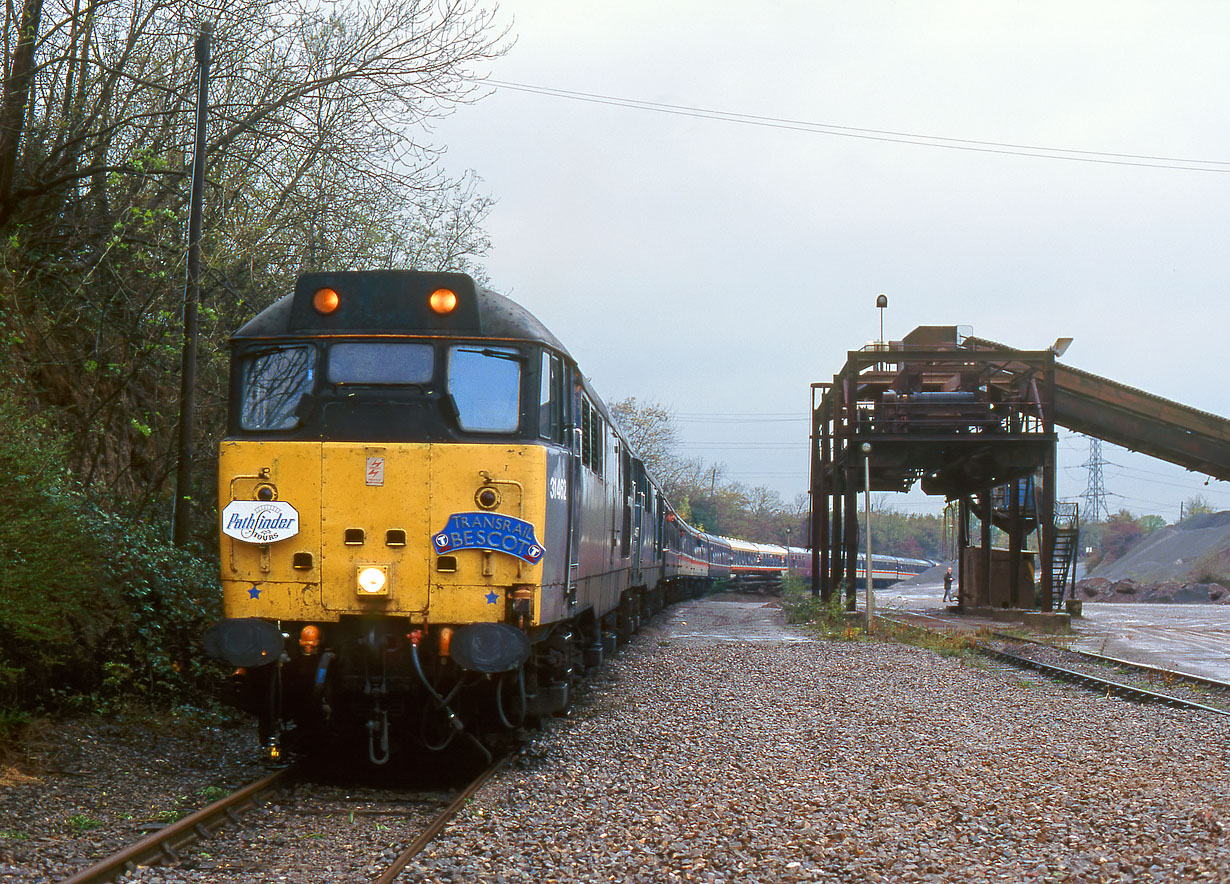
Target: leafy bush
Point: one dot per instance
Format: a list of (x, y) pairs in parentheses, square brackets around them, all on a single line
[(800, 606), (94, 607)]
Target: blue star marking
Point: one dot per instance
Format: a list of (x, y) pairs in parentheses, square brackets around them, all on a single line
[(254, 593), (491, 597)]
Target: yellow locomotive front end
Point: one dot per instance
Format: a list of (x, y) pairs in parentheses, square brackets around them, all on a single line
[(394, 515), (436, 534)]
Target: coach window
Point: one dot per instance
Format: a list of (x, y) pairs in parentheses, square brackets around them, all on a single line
[(485, 383), (551, 399), (273, 383)]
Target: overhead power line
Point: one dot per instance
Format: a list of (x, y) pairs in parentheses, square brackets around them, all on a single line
[(969, 144)]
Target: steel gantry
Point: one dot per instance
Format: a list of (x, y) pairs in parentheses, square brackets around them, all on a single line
[(975, 424)]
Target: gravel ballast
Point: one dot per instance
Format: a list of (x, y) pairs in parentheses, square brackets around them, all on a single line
[(86, 788), (839, 761), (722, 746)]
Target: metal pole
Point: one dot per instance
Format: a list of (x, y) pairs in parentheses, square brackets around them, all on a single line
[(181, 513), (871, 598), (813, 496)]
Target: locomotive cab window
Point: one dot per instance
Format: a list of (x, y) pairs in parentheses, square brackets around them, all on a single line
[(485, 383), (380, 362), (273, 382)]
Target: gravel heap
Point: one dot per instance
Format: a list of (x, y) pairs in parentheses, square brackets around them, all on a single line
[(1171, 553), (845, 761)]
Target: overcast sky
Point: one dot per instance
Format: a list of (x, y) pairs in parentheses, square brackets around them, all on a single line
[(721, 267)]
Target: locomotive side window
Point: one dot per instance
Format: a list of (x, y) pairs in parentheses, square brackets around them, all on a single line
[(592, 437), (371, 362), (273, 383), (485, 382), (551, 399), (599, 428), (585, 440)]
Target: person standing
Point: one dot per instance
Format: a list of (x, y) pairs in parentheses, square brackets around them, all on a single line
[(948, 585)]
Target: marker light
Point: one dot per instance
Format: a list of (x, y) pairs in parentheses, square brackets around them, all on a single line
[(373, 580), (325, 301), (443, 301), (309, 639)]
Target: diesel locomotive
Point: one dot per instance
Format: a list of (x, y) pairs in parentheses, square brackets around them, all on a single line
[(429, 521), (430, 526)]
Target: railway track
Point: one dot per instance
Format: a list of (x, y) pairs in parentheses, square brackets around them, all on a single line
[(171, 843), (1134, 681), (166, 843)]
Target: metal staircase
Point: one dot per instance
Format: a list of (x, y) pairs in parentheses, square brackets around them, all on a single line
[(1064, 545)]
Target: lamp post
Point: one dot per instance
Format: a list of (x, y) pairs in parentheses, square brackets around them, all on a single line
[(786, 572), (881, 302), (871, 598)]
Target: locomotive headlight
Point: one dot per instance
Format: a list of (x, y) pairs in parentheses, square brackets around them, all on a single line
[(443, 301), (373, 580), (325, 301)]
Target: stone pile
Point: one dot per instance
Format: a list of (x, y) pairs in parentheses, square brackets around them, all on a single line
[(1102, 589)]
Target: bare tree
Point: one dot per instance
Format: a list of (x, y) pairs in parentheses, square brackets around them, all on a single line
[(650, 429), (319, 154), (445, 230)]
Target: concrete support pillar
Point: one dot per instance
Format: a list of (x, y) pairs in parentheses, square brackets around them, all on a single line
[(985, 514), (851, 536), (963, 589)]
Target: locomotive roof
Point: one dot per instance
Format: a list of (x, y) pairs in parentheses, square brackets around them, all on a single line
[(396, 302)]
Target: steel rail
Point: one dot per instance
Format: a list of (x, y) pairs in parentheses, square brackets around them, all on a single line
[(1172, 674), (1093, 681), (165, 843), (1082, 678), (428, 835)]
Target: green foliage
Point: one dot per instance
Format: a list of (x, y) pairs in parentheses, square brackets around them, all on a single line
[(949, 644), (1151, 523), (1196, 506), (79, 822), (800, 606), (12, 723), (98, 609), (48, 565), (910, 535)]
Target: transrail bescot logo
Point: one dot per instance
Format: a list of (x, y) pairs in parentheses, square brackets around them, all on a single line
[(260, 521), (489, 531)]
